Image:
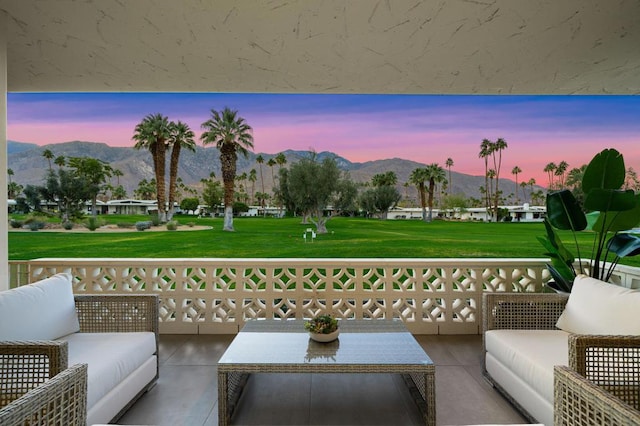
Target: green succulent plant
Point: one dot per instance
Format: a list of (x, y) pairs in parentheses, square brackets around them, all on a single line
[(322, 324)]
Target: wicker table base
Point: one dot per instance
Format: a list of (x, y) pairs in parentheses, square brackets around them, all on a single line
[(375, 346)]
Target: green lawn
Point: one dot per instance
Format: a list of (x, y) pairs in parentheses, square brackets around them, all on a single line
[(269, 237)]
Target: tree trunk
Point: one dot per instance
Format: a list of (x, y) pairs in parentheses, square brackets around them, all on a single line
[(173, 177), (159, 160), (228, 219), (423, 202), (431, 190)]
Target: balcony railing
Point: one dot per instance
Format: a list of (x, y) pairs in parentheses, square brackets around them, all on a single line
[(205, 296)]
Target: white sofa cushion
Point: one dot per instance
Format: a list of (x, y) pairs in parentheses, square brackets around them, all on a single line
[(111, 358), (597, 307), (44, 310), (530, 355)]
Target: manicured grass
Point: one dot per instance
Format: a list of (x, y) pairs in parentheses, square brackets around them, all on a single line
[(278, 238)]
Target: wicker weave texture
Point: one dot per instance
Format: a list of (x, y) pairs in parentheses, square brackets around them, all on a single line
[(522, 311), (610, 362), (579, 402), (40, 358), (61, 401), (117, 313)]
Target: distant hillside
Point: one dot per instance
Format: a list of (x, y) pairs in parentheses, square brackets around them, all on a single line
[(30, 166)]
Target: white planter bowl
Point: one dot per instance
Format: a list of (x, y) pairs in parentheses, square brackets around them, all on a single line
[(324, 338)]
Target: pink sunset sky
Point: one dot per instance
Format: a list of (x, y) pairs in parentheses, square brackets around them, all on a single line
[(426, 129)]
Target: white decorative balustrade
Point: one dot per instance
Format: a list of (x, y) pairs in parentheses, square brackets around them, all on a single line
[(218, 295)]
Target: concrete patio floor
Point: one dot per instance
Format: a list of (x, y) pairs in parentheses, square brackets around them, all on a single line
[(186, 393)]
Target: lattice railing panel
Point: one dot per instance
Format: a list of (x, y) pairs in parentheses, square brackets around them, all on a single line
[(429, 295)]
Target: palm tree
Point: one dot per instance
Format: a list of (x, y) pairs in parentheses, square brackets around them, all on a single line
[(181, 137), (153, 133), (252, 178), (485, 152), (281, 159), (60, 161), (515, 171), (449, 164), (48, 155), (561, 171), (435, 174), (418, 177), (549, 169), (531, 182), (9, 174), (272, 163), (117, 173), (384, 179), (497, 147), (231, 134), (523, 185), (260, 161)]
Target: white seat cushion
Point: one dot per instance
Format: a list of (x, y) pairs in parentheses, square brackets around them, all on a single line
[(44, 310), (597, 307), (111, 358), (530, 355)]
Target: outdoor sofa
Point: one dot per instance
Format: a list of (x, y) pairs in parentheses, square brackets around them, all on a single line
[(594, 332), (44, 329)]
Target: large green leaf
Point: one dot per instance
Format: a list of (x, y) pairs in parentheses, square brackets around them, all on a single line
[(616, 221), (564, 212), (605, 171), (607, 200), (562, 283), (625, 245)]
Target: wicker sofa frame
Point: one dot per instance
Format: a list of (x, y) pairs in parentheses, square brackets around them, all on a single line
[(59, 401), (611, 362), (30, 363)]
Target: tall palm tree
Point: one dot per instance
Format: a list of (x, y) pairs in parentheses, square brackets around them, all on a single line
[(271, 163), (435, 174), (60, 161), (281, 159), (252, 178), (531, 182), (153, 133), (232, 135), (523, 185), (418, 177), (10, 173), (181, 137), (497, 147), (117, 173), (449, 164), (515, 171), (260, 161), (485, 152), (48, 155), (561, 172), (549, 169)]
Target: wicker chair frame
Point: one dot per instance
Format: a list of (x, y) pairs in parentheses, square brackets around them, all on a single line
[(59, 401)]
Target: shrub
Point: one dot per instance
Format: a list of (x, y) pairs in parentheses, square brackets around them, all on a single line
[(155, 220), (124, 225), (191, 224), (142, 225), (172, 225), (35, 225), (68, 225), (93, 223), (16, 223)]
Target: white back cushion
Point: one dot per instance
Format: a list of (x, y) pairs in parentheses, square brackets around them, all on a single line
[(597, 307), (44, 310)]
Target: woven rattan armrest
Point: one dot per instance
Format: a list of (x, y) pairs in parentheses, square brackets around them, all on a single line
[(522, 311), (610, 362), (117, 313), (24, 365), (579, 402), (61, 400)]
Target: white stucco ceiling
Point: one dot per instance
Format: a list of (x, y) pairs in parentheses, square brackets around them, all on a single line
[(325, 46)]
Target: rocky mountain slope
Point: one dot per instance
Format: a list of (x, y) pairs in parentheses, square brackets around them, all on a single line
[(30, 166)]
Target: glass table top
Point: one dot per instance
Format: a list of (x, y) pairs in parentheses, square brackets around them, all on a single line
[(272, 342)]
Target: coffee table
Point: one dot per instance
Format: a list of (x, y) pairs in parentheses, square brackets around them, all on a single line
[(364, 346)]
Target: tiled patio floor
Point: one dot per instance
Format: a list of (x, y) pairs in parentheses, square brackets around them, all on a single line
[(186, 393)]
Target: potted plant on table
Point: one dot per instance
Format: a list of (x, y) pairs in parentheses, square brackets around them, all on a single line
[(323, 328), (612, 213)]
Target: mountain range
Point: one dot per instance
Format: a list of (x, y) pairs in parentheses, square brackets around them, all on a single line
[(29, 166)]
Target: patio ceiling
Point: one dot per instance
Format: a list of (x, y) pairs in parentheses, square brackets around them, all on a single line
[(331, 46)]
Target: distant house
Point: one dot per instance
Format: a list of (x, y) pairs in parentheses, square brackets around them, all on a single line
[(524, 213), (131, 206)]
